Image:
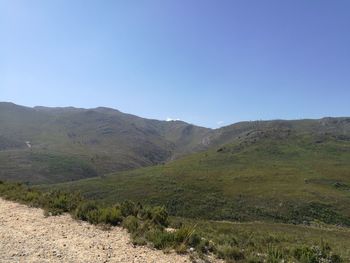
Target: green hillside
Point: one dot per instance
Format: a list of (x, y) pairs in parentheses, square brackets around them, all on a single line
[(262, 190), (35, 141), (49, 145), (283, 172)]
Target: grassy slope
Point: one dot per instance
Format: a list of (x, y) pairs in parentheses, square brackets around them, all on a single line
[(291, 172), (103, 139), (29, 166), (236, 242), (260, 237), (291, 179), (106, 140)]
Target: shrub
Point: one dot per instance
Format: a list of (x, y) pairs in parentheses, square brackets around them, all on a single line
[(128, 208), (57, 202), (181, 248), (229, 253), (194, 240), (305, 254), (84, 210), (160, 239), (316, 254), (274, 255), (204, 246), (183, 234), (13, 191), (110, 215), (34, 198), (131, 223), (187, 236), (159, 216), (93, 216), (138, 240)]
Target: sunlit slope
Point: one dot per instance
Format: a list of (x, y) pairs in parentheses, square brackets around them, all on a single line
[(41, 145), (276, 174)]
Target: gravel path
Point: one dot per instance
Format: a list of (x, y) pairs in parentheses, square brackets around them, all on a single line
[(27, 236)]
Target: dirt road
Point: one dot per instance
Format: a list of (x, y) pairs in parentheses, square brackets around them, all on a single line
[(27, 236)]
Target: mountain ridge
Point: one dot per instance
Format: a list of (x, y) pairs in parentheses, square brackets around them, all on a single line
[(104, 139), (55, 144)]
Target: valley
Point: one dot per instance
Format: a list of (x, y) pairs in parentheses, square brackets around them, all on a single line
[(281, 184)]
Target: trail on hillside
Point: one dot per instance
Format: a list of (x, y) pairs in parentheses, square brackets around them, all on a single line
[(26, 235)]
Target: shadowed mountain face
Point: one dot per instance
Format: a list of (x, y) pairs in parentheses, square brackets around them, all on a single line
[(46, 145), (58, 144)]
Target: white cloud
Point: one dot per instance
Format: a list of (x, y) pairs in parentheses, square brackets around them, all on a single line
[(220, 122), (171, 119)]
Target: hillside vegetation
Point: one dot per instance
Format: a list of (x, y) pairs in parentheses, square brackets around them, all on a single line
[(263, 190), (46, 145), (275, 174), (254, 242)]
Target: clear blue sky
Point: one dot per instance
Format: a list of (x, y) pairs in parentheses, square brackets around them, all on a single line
[(207, 62)]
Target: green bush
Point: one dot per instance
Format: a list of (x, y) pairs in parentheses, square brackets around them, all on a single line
[(274, 255), (93, 216), (194, 240), (160, 239), (138, 239), (183, 234), (204, 246), (229, 253), (316, 254), (57, 202), (85, 209), (128, 208), (159, 215), (187, 236), (131, 223), (110, 215), (33, 198)]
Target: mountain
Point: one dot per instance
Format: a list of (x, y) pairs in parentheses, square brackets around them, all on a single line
[(291, 176), (235, 171), (43, 145), (284, 171), (253, 130)]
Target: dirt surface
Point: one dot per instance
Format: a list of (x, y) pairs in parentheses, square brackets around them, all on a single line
[(26, 235)]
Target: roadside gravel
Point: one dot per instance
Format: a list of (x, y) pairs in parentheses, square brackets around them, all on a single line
[(26, 235)]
